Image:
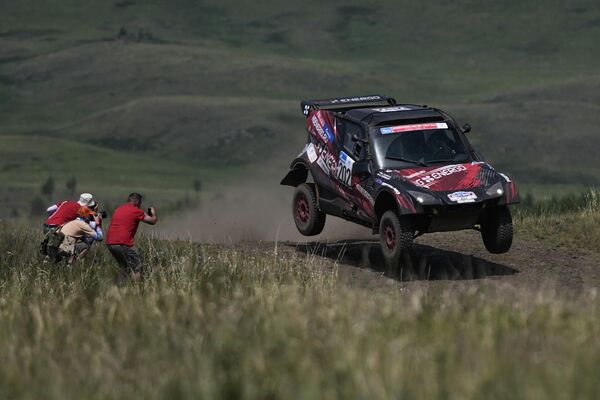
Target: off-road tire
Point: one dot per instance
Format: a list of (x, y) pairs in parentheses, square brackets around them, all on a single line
[(497, 229), (395, 236), (309, 219)]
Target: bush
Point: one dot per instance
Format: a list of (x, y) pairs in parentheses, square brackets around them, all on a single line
[(71, 185), (47, 188)]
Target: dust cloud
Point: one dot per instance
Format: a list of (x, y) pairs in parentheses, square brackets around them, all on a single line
[(249, 213)]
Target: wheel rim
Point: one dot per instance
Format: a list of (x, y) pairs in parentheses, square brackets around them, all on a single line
[(390, 237), (302, 209)]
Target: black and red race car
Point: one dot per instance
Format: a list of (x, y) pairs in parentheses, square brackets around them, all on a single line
[(400, 169)]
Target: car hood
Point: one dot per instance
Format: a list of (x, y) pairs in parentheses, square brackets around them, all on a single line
[(444, 178)]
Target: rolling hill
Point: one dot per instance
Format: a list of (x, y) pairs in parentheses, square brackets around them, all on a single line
[(173, 91)]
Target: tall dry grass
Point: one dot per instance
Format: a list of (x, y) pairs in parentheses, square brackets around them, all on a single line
[(572, 221), (223, 322)]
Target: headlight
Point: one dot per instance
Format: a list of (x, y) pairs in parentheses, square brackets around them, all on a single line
[(424, 198), (496, 190)]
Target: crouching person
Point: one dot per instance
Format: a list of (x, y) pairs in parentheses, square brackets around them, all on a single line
[(79, 235), (121, 233), (65, 211)]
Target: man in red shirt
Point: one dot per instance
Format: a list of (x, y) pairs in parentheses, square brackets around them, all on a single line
[(61, 213), (121, 233)]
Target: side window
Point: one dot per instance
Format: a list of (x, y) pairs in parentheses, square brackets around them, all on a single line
[(347, 130)]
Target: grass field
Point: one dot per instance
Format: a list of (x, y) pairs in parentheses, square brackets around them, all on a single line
[(571, 221), (216, 321), (28, 161)]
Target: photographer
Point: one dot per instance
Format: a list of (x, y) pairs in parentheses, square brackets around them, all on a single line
[(121, 233), (65, 211), (95, 219), (79, 234)]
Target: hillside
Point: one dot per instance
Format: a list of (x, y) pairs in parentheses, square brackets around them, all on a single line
[(213, 87)]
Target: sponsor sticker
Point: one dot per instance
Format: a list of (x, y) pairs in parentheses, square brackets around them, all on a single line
[(385, 176), (355, 99), (321, 163), (413, 127), (323, 128), (391, 109), (437, 174), (463, 197), (344, 170), (311, 153)]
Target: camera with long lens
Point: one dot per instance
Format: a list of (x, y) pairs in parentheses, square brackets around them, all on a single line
[(100, 214)]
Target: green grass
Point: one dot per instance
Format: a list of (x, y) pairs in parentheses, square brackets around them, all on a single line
[(220, 322), (547, 192), (570, 221), (26, 163)]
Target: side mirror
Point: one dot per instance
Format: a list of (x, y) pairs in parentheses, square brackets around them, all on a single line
[(361, 167), (466, 128)]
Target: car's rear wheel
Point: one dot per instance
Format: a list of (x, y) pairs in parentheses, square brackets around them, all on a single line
[(497, 229), (395, 235), (309, 219)]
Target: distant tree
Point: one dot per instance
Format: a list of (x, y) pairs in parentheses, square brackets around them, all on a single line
[(48, 187), (197, 185), (72, 185), (37, 206)]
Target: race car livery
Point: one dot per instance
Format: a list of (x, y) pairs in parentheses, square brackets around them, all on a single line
[(401, 169)]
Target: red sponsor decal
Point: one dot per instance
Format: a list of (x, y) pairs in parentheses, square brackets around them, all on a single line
[(414, 127), (447, 177)]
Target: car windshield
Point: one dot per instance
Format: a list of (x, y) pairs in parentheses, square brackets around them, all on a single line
[(409, 145)]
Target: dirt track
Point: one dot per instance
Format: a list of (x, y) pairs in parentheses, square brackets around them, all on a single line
[(454, 259), (458, 259)]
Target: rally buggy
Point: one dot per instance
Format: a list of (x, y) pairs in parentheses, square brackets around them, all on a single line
[(400, 169)]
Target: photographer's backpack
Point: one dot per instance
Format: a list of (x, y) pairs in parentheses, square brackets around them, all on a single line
[(51, 243)]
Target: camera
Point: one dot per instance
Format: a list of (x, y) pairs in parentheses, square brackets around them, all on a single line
[(94, 207)]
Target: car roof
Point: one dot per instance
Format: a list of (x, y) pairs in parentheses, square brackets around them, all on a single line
[(379, 115)]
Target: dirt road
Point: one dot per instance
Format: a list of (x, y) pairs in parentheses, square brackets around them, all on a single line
[(458, 259), (446, 259)]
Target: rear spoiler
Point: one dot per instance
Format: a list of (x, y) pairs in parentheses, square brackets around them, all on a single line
[(346, 103)]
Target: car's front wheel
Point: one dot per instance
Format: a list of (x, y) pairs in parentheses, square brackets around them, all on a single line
[(309, 219), (395, 235), (497, 229)]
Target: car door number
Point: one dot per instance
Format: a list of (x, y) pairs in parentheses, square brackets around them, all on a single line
[(344, 170)]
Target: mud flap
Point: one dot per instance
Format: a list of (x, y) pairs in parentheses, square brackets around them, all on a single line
[(295, 177)]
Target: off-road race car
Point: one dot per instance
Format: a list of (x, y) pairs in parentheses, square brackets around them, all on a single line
[(400, 169)]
